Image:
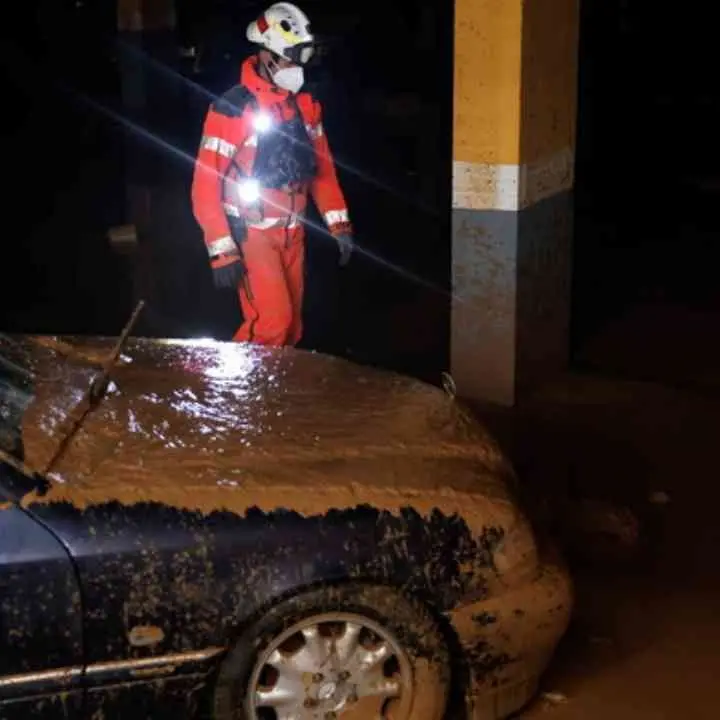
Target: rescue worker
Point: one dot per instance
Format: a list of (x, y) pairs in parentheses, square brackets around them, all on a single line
[(263, 151)]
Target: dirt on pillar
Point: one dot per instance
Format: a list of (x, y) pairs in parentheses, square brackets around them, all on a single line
[(513, 158)]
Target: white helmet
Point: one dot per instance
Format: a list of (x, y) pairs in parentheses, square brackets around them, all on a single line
[(284, 29)]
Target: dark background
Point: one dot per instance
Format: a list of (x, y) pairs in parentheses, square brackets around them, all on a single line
[(647, 188)]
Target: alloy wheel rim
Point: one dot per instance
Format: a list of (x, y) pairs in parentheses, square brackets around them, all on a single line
[(334, 666)]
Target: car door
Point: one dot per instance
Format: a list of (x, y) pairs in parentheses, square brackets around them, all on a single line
[(141, 618), (41, 642)]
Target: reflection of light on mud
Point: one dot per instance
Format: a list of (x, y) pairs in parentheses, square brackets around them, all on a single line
[(231, 361), (190, 408), (133, 424), (217, 397), (175, 444), (215, 409), (197, 342), (161, 430), (228, 483), (56, 415)]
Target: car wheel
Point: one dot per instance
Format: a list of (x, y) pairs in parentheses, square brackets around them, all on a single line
[(350, 652)]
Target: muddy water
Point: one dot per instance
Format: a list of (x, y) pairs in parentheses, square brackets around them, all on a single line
[(644, 644), (646, 654)]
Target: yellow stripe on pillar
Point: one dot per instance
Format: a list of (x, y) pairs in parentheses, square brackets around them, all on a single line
[(549, 79), (515, 101), (487, 81)]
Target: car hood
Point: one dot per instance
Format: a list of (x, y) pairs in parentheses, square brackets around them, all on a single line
[(210, 425)]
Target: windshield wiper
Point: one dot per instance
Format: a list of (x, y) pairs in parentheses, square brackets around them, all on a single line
[(96, 390), (16, 464)]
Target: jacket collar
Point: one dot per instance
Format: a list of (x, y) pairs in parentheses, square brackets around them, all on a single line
[(250, 78)]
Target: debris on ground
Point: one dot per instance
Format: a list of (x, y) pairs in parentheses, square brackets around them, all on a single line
[(554, 698), (659, 498)]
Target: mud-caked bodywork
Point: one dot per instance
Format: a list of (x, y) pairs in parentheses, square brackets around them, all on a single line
[(214, 480)]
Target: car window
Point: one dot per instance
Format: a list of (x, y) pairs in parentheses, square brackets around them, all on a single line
[(17, 389)]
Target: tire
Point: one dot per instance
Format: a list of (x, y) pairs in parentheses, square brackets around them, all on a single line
[(415, 671)]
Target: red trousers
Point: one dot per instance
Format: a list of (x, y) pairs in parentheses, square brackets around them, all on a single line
[(271, 292)]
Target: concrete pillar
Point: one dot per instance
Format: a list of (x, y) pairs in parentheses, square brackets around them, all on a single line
[(148, 57), (513, 158), (146, 31)]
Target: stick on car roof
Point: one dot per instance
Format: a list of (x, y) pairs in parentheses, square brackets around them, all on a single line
[(96, 390)]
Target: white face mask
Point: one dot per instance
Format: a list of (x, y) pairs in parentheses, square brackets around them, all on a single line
[(290, 78)]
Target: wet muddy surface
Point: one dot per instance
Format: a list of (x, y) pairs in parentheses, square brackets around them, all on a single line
[(643, 642), (213, 426)]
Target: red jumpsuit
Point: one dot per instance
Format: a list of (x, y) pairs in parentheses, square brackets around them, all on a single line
[(273, 246)]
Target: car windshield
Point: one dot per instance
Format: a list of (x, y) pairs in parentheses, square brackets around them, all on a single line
[(17, 390)]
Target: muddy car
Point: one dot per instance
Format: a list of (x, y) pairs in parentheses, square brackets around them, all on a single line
[(230, 531)]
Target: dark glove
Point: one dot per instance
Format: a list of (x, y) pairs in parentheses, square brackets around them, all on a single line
[(228, 271), (346, 245)]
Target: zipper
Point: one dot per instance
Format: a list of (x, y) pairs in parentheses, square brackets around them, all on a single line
[(289, 220)]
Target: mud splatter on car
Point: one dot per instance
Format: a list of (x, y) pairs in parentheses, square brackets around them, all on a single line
[(220, 494)]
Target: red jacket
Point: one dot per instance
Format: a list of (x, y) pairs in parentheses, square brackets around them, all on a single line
[(230, 139)]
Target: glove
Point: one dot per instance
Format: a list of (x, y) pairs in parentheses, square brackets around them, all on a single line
[(345, 245), (228, 271)]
